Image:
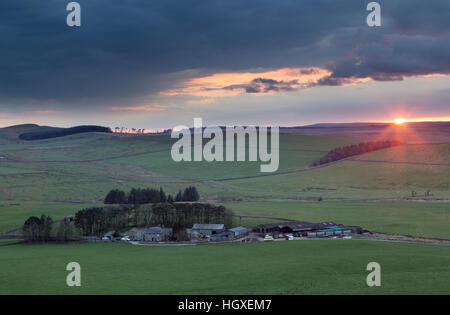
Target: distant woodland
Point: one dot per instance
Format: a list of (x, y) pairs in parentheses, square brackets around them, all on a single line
[(61, 132), (96, 221), (150, 195), (356, 149)]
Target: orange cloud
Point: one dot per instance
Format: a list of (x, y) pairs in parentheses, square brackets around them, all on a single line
[(234, 83)]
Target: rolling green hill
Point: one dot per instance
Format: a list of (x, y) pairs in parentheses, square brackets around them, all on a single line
[(80, 169), (61, 132), (12, 133), (60, 176)]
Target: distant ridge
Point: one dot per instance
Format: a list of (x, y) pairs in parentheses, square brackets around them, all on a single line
[(61, 132), (336, 126), (370, 124), (22, 126)]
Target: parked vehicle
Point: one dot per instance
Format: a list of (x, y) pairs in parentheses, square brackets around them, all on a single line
[(268, 238), (125, 238)]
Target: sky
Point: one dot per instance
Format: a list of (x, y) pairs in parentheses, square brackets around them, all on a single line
[(159, 63)]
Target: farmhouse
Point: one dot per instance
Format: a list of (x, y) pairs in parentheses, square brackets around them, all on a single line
[(154, 234)]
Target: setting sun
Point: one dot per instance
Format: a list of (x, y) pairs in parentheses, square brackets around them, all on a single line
[(399, 121)]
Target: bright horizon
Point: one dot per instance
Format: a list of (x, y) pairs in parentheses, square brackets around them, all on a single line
[(394, 121)]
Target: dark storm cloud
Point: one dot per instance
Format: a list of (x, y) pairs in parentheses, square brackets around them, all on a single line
[(261, 85), (130, 48)]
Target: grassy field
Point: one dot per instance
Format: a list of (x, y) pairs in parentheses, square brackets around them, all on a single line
[(60, 176), (363, 180), (14, 214), (297, 267)]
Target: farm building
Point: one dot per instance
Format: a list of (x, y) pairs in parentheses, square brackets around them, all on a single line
[(216, 232), (304, 228), (239, 231), (154, 234), (207, 229), (221, 236), (355, 229), (292, 227)]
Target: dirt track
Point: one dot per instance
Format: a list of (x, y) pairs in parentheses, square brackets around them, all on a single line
[(386, 237)]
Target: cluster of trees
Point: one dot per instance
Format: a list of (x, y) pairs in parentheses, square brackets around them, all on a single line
[(181, 215), (189, 194), (38, 229), (97, 221), (43, 229), (64, 232), (116, 196), (61, 132), (356, 149), (127, 130), (150, 195)]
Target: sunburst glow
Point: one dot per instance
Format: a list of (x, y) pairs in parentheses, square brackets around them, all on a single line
[(399, 121)]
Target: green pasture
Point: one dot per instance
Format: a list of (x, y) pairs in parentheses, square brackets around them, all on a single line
[(296, 267)]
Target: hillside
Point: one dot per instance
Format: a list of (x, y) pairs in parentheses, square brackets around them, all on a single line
[(59, 176), (411, 132), (12, 133), (61, 132), (28, 132)]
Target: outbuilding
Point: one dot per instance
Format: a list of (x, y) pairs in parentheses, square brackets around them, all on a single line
[(207, 229), (239, 231), (222, 236)]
